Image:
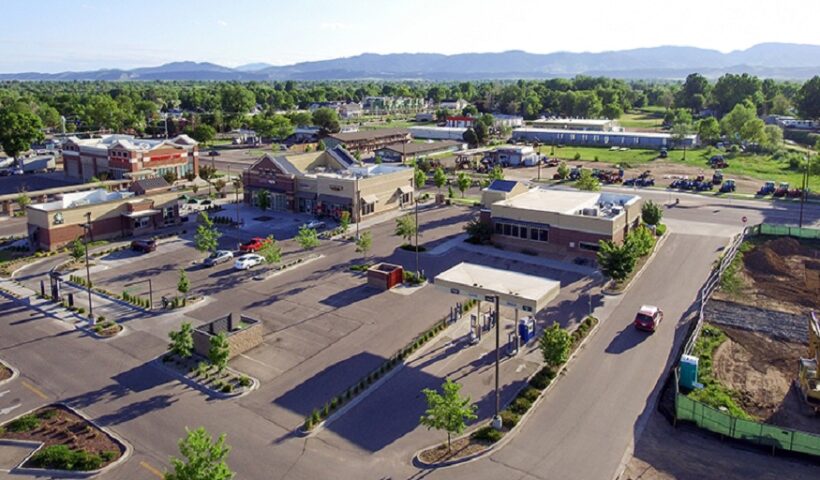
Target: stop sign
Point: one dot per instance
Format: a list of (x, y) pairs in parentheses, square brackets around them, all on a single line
[(744, 219)]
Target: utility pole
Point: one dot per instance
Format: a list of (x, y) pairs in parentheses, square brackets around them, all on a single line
[(417, 227), (805, 193), (87, 227), (537, 157), (357, 210), (497, 423)]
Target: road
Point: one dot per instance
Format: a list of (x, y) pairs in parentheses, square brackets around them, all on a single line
[(581, 430)]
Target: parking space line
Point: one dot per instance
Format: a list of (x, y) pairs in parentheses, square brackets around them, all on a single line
[(34, 389), (152, 469), (255, 360)]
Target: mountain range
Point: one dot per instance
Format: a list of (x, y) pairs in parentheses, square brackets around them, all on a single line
[(772, 60)]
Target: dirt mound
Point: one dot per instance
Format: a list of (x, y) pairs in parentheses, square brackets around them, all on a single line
[(784, 246), (763, 260)]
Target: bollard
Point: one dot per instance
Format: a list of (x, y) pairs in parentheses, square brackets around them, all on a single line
[(42, 288), (70, 299)]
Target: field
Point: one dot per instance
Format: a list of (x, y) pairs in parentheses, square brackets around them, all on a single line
[(649, 118)]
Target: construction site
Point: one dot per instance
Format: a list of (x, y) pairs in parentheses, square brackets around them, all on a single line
[(765, 309)]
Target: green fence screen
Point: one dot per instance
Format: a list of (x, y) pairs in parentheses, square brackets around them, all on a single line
[(716, 421), (767, 229)]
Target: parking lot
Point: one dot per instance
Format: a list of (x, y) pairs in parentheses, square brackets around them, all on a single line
[(34, 181)]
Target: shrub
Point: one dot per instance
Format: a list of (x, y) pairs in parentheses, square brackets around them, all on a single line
[(25, 423), (660, 229), (48, 414), (226, 387), (520, 406), (530, 394), (81, 310), (60, 457), (314, 415), (577, 156), (326, 410), (334, 402), (109, 455), (542, 379), (308, 425), (245, 381), (101, 319), (488, 434), (509, 419)]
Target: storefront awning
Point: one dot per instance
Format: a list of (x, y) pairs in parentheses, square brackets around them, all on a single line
[(370, 199), (144, 213), (406, 189)]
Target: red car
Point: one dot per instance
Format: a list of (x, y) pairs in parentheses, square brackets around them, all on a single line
[(648, 318), (253, 245)]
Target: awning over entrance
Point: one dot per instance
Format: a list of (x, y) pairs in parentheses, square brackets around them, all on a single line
[(144, 213), (516, 290), (369, 199), (406, 189)]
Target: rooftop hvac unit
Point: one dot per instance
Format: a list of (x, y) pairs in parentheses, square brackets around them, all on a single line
[(590, 212), (615, 211)]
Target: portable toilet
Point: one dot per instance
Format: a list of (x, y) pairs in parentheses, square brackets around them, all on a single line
[(689, 372), (526, 329)]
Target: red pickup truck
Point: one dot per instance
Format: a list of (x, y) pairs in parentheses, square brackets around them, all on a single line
[(253, 245)]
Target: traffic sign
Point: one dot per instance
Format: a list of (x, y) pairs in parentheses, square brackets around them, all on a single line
[(744, 219)]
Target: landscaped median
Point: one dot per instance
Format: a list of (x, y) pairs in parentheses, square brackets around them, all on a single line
[(558, 347), (68, 442), (352, 394)]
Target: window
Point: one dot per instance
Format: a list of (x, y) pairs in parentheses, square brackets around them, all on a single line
[(499, 228), (514, 232), (533, 234), (543, 235), (522, 232), (594, 247), (367, 208), (507, 229)]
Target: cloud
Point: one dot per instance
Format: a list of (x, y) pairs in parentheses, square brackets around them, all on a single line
[(222, 23), (335, 26)]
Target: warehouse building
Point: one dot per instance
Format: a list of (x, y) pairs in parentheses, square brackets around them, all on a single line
[(551, 136), (558, 221), (367, 140), (401, 152), (438, 133), (591, 124)]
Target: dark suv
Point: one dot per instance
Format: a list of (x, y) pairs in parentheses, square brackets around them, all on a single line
[(144, 246)]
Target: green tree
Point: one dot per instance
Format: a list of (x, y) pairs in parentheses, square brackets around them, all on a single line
[(709, 130), (463, 181), (773, 137), (206, 172), (447, 411), (587, 182), (406, 227), (183, 285), (219, 351), (616, 261), (694, 92), (419, 179), (470, 137), (555, 344), (270, 250), (753, 131), (364, 243), (732, 124), (439, 178), (640, 241), (203, 458), (203, 133), (77, 249), (327, 119), (23, 200), (307, 238), (182, 341), (479, 232), (563, 171), (808, 98), (731, 90), (344, 220), (219, 185), (263, 199), (651, 213), (206, 238), (19, 128), (497, 173), (277, 127)]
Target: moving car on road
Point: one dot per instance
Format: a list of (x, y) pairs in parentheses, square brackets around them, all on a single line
[(219, 256), (144, 246), (314, 224), (252, 245), (648, 318), (246, 262)]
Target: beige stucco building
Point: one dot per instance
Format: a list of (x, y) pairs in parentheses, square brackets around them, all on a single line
[(54, 224), (542, 219), (329, 182)]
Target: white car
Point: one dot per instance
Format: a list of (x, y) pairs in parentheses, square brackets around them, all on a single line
[(219, 256), (246, 262), (314, 224)]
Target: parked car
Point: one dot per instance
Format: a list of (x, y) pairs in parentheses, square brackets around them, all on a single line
[(5, 172), (252, 245), (219, 256), (246, 262), (648, 318), (18, 171), (315, 224), (144, 246)]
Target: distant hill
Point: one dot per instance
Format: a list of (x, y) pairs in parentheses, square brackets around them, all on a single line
[(774, 60)]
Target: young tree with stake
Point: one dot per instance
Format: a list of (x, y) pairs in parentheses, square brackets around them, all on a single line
[(448, 410)]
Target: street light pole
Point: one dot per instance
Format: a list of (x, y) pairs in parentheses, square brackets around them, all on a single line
[(87, 227), (497, 423), (417, 228), (538, 158), (358, 211), (805, 193)]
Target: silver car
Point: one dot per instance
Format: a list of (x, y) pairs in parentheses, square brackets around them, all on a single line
[(219, 256)]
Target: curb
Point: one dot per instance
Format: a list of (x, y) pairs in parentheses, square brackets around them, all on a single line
[(19, 469), (157, 361), (655, 251), (416, 461), (296, 264), (14, 373)]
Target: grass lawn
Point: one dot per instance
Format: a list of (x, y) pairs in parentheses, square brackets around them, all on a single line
[(643, 118), (396, 124), (604, 154)]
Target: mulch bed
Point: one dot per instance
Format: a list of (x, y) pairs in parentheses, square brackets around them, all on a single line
[(5, 372), (460, 448), (60, 426)]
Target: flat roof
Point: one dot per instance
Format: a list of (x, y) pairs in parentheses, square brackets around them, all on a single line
[(369, 134), (79, 199), (588, 132), (518, 290), (576, 121), (568, 202), (414, 148)]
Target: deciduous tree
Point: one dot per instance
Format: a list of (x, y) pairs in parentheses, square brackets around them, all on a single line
[(448, 411), (406, 227), (206, 238), (270, 250), (555, 344), (219, 351), (587, 182), (463, 182), (182, 341), (616, 261), (202, 458), (439, 178), (307, 238)]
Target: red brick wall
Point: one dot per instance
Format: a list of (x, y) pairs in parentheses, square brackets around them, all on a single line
[(56, 237)]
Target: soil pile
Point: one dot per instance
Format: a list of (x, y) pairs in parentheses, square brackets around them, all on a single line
[(786, 272), (765, 261), (785, 246)]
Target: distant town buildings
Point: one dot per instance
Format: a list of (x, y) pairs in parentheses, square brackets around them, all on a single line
[(550, 136), (366, 141), (785, 122), (117, 155), (401, 152), (456, 104), (437, 133), (460, 121), (501, 120), (591, 124)]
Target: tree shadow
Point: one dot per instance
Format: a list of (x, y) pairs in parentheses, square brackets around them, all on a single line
[(350, 296), (138, 379)]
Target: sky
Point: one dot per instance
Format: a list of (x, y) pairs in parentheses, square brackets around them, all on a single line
[(62, 35)]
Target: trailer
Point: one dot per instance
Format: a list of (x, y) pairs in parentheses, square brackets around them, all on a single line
[(39, 164)]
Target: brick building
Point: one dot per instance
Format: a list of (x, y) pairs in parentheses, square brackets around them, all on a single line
[(54, 224), (368, 140), (118, 155), (548, 221)]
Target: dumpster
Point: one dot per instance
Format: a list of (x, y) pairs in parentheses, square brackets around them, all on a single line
[(526, 329), (385, 275)]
